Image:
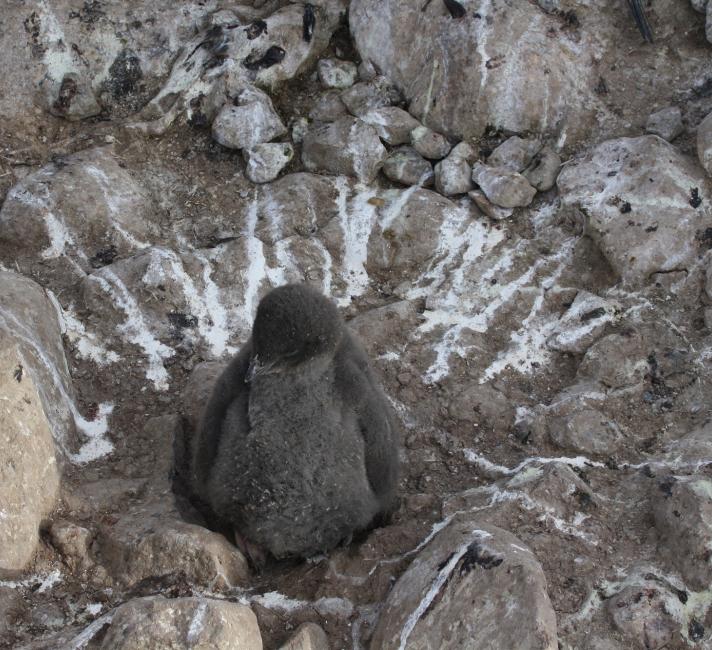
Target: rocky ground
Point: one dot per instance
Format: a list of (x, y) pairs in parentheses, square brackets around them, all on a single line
[(511, 202)]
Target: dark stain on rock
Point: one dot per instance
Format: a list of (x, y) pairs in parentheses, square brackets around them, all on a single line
[(455, 8), (103, 257), (32, 27), (695, 200), (17, 373), (601, 88), (666, 485), (625, 207), (124, 74), (67, 91), (594, 313), (256, 29), (704, 237), (89, 14), (308, 22), (475, 555), (271, 57), (696, 630), (180, 321)]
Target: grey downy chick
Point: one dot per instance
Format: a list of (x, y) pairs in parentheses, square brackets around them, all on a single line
[(298, 446)]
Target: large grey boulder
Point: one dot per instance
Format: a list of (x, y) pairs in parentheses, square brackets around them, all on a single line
[(514, 66), (347, 146), (644, 203), (29, 477), (181, 624), (76, 213), (502, 186), (247, 122), (683, 518), (473, 586), (30, 323)]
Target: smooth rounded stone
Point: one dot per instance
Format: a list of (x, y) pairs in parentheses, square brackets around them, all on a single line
[(309, 636), (704, 142), (587, 431), (582, 324), (392, 124), (473, 586), (429, 144), (366, 71), (335, 73), (543, 169), (504, 188), (72, 98), (488, 208), (483, 405), (644, 204), (252, 120), (378, 328), (405, 165), (453, 175), (347, 146), (367, 95), (328, 107), (182, 624), (617, 360), (667, 123), (29, 477), (197, 391), (73, 543), (641, 614), (682, 507), (29, 321), (265, 161), (514, 154), (80, 210)]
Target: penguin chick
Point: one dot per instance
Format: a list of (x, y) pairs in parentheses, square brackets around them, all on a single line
[(298, 445)]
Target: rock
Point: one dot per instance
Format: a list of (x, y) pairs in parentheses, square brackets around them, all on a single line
[(72, 98), (73, 543), (482, 405), (218, 60), (76, 213), (682, 507), (582, 324), (667, 123), (366, 71), (150, 539), (453, 175), (182, 623), (645, 204), (641, 614), (29, 478), (693, 449), (378, 328), (488, 208), (250, 121), (514, 154), (392, 124), (704, 141), (429, 144), (617, 360), (586, 431), (309, 636), (462, 91), (346, 146), (405, 165), (328, 107), (708, 23), (367, 95), (504, 188), (197, 391), (29, 324), (473, 586), (300, 126), (543, 169), (334, 73), (265, 161), (699, 5)]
